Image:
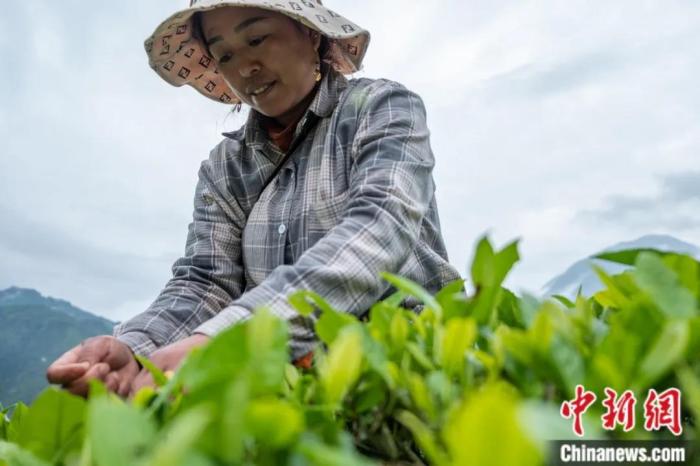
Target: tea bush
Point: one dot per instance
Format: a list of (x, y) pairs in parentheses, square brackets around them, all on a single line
[(474, 379)]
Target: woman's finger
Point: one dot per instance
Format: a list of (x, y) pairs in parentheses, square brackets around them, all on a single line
[(112, 382), (80, 387), (124, 388), (127, 374), (69, 357), (66, 373)]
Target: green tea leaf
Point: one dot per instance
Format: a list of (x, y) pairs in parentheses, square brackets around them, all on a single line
[(459, 335), (476, 431), (569, 364), (506, 258), (453, 299), (275, 423), (489, 268), (222, 359), (508, 309), (111, 443), (691, 389), (380, 316), (315, 452), (413, 289), (301, 304), (19, 412), (291, 375), (483, 270), (485, 304), (180, 437), (16, 456), (267, 349), (564, 300), (627, 256), (144, 397), (96, 389), (341, 369), (398, 331), (664, 287), (395, 299), (694, 337), (667, 351), (158, 376), (331, 323), (612, 296), (452, 288), (370, 397), (53, 425), (517, 344), (376, 356), (529, 305), (305, 300), (419, 356), (420, 395), (687, 269), (424, 437), (4, 422), (442, 387), (233, 424)]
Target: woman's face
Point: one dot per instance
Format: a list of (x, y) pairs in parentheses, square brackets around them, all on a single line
[(266, 58)]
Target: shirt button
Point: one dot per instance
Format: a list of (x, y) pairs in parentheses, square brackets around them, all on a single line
[(282, 228)]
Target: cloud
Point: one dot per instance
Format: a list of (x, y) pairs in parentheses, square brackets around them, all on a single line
[(44, 256), (675, 206), (546, 79), (548, 122), (681, 187)]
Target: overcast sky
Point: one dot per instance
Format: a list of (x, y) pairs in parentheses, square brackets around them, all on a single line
[(570, 125)]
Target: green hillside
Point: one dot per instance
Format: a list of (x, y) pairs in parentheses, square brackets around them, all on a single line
[(34, 330)]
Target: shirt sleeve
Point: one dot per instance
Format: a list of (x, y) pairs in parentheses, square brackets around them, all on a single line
[(205, 280), (391, 187)]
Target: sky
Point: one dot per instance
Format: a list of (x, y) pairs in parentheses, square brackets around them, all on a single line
[(569, 126)]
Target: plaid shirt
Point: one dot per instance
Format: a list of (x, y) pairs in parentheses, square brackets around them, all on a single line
[(356, 198)]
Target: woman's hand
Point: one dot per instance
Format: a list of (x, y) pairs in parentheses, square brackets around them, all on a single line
[(167, 358), (103, 358)]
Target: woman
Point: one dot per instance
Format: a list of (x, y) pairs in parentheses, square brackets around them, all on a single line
[(327, 184)]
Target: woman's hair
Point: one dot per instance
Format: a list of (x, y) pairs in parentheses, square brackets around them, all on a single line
[(322, 47)]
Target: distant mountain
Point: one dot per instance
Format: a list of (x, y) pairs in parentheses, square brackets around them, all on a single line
[(581, 273), (34, 331)]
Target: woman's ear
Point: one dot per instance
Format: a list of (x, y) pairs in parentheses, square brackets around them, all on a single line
[(315, 38)]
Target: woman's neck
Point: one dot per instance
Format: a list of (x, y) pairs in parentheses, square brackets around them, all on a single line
[(294, 114)]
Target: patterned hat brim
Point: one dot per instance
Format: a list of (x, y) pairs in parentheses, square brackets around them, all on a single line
[(176, 52)]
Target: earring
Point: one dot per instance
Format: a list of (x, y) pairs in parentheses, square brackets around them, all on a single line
[(237, 108), (317, 74)]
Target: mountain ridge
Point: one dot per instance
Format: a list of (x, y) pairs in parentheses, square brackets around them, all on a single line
[(34, 331)]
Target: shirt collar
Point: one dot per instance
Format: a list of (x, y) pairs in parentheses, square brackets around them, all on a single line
[(332, 85)]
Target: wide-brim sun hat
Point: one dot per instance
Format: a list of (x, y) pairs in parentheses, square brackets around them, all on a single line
[(177, 53)]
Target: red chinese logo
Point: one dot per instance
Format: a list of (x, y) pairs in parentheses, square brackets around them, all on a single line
[(663, 410), (618, 410), (577, 407), (660, 410)]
